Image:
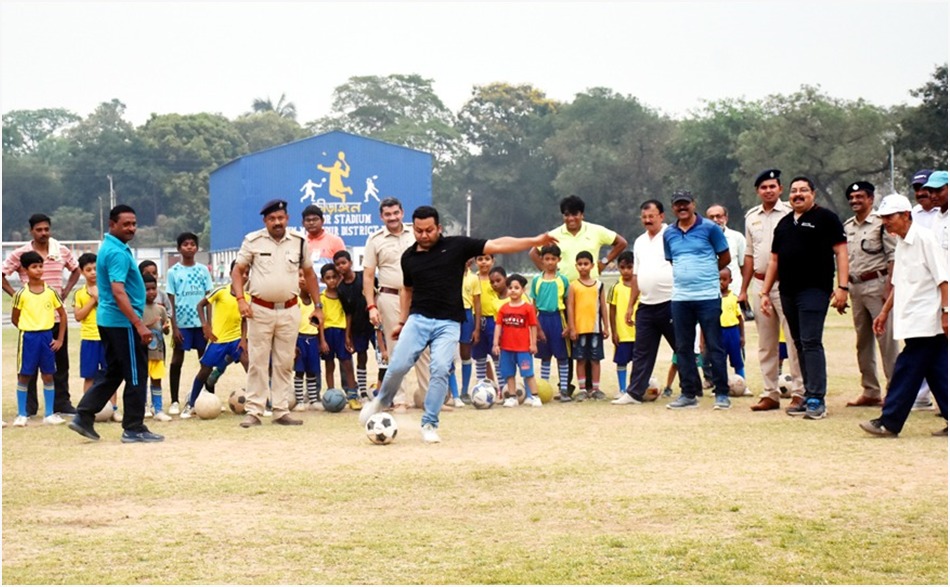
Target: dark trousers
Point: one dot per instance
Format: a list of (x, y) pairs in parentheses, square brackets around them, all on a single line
[(653, 321), (922, 358), (61, 403), (686, 315), (805, 312), (128, 362)]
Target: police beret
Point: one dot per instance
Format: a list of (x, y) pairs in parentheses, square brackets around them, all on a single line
[(768, 174), (859, 186), (273, 206)]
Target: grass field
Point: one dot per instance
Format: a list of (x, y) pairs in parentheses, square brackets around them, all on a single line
[(577, 493)]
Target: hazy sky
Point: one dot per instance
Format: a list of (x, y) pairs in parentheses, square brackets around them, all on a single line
[(217, 57)]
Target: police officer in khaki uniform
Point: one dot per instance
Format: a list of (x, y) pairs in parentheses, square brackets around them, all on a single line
[(382, 257), (274, 256), (871, 264), (760, 223)]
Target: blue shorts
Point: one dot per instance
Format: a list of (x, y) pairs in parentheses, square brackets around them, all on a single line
[(33, 353), (623, 354), (92, 358), (308, 354), (336, 340), (782, 351), (510, 361), (468, 327), (589, 347), (487, 336), (732, 344), (555, 345), (193, 340), (221, 354)]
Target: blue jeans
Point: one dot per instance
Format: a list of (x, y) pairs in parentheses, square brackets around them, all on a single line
[(653, 322), (805, 312), (686, 315), (441, 336), (922, 359)]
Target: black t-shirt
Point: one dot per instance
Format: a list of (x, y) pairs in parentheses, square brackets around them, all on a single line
[(806, 259), (435, 276), (354, 305)]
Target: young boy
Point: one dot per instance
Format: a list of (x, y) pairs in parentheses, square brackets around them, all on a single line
[(515, 341), (92, 356), (469, 332), (307, 356), (549, 293), (732, 323), (481, 347), (188, 284), (359, 330), (226, 332), (149, 267), (156, 319), (333, 337), (624, 335), (587, 323), (34, 310)]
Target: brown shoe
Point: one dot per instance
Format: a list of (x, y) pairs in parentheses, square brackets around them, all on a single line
[(797, 407), (865, 401), (287, 420), (765, 404), (250, 420), (940, 432)]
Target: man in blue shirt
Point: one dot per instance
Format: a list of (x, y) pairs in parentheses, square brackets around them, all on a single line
[(698, 250), (124, 334)]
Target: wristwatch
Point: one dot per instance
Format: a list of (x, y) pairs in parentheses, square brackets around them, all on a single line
[(605, 260), (946, 309)]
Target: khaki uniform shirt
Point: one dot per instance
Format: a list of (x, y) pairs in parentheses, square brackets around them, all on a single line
[(759, 228), (274, 264), (870, 247), (384, 251)]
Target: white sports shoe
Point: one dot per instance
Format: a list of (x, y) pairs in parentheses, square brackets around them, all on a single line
[(174, 409), (624, 400), (268, 413), (53, 419), (429, 434), (163, 417), (535, 402), (186, 413), (20, 421), (373, 407), (511, 402), (116, 416), (149, 411), (458, 402), (317, 407), (300, 407)]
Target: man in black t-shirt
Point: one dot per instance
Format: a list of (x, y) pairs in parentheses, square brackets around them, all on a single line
[(431, 308), (808, 245)]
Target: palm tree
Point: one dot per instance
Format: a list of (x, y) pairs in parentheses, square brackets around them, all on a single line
[(282, 108)]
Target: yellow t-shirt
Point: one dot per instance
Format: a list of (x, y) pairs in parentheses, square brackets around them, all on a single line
[(587, 319), (225, 316), (88, 330), (489, 299), (37, 311), (620, 298), (730, 311), (306, 327), (470, 289), (333, 315)]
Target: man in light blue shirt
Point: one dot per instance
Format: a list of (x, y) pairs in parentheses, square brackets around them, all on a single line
[(698, 250)]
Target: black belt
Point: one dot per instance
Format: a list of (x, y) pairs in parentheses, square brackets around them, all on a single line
[(389, 290)]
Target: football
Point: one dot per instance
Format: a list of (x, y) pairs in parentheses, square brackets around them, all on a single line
[(207, 406), (333, 400), (236, 401), (105, 414), (520, 394), (653, 390), (545, 390), (737, 386), (381, 428), (483, 395), (785, 384)]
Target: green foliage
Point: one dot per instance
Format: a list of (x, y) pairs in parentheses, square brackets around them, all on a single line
[(262, 130), (282, 108), (27, 129), (74, 223), (923, 134), (29, 186)]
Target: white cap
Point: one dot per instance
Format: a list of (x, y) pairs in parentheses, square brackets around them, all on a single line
[(893, 204)]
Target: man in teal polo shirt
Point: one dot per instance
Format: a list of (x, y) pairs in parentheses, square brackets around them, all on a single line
[(124, 334)]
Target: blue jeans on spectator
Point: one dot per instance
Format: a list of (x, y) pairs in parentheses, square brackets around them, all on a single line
[(653, 322), (805, 312), (686, 315), (922, 358), (441, 336)]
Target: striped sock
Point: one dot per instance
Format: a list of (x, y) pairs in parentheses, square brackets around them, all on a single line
[(481, 369), (157, 398), (546, 369), (298, 388), (21, 399), (562, 367), (361, 380), (49, 396), (313, 388)]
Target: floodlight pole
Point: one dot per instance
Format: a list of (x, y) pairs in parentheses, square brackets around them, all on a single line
[(111, 194), (468, 213)]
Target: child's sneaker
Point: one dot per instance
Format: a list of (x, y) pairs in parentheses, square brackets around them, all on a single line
[(116, 415), (300, 407), (186, 413), (53, 419), (599, 395), (20, 421), (565, 397), (174, 409), (354, 404), (534, 401), (163, 417), (581, 395), (458, 402), (667, 392), (149, 411), (317, 407), (511, 402)]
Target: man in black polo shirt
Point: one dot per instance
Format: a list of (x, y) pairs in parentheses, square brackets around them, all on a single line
[(431, 308), (807, 246)]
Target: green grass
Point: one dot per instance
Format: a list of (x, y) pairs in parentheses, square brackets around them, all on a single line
[(577, 493)]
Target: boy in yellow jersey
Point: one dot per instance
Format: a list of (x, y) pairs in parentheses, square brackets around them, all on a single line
[(226, 333), (34, 309), (488, 298), (333, 337), (468, 334), (732, 324), (92, 356), (548, 292), (155, 317), (307, 357), (588, 327), (624, 335)]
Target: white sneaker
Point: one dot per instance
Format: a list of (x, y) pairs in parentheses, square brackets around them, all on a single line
[(174, 409), (185, 414), (149, 411), (20, 421), (535, 402), (268, 413), (317, 407), (373, 407), (624, 400), (511, 402), (163, 417), (300, 407), (429, 434), (116, 416), (53, 419), (458, 402)]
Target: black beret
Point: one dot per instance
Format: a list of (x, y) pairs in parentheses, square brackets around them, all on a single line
[(768, 174), (273, 206), (859, 186)]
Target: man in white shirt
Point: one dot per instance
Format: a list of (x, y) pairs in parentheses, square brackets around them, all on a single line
[(718, 214), (926, 211), (653, 286), (919, 303)]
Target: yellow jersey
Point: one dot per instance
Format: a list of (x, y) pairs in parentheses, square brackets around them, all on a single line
[(333, 315), (619, 297), (306, 327), (37, 310), (225, 316), (88, 329), (730, 311)]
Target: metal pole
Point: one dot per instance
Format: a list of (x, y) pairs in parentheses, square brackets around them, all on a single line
[(893, 191), (102, 233), (111, 194), (468, 213)]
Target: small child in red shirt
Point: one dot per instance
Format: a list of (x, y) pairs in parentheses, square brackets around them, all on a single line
[(516, 341)]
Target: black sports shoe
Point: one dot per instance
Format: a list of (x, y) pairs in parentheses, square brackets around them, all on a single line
[(143, 435), (77, 426)]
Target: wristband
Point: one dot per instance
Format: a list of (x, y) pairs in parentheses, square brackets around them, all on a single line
[(370, 307), (844, 287), (402, 323)]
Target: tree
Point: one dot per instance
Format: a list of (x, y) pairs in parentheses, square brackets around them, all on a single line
[(282, 108), (922, 140), (262, 130), (29, 186), (400, 109), (29, 128), (74, 223)]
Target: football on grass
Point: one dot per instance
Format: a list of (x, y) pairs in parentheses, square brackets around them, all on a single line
[(381, 428)]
